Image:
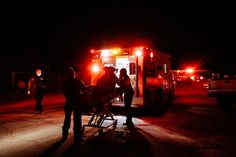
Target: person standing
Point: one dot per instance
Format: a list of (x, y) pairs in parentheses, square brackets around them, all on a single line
[(36, 86), (127, 89), (72, 90)]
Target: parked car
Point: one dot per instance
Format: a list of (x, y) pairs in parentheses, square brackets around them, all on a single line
[(223, 87)]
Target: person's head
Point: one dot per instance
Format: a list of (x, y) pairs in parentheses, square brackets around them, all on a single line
[(38, 72), (109, 70), (123, 72), (70, 72)]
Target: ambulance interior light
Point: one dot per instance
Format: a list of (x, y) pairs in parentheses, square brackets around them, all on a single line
[(138, 53), (105, 53)]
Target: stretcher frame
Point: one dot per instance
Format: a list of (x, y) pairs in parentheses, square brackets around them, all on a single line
[(100, 106)]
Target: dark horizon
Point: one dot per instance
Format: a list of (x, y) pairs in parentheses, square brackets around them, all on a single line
[(60, 35)]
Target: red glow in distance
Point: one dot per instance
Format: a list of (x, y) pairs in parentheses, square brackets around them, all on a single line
[(189, 70)]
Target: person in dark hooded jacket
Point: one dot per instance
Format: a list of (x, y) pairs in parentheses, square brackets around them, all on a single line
[(108, 80), (72, 90)]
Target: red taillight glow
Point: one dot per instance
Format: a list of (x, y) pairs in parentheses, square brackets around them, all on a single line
[(95, 68), (151, 54)]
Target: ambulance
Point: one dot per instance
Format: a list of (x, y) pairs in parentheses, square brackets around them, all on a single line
[(148, 69)]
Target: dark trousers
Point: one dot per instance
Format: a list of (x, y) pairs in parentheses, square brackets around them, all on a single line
[(39, 98), (77, 120), (128, 102)]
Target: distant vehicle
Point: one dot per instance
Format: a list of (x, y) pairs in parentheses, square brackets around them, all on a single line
[(148, 69), (190, 75), (223, 87)]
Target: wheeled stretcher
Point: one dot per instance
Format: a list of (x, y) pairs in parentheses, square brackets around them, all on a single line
[(99, 101)]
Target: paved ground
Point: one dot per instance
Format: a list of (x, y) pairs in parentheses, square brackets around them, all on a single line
[(192, 126)]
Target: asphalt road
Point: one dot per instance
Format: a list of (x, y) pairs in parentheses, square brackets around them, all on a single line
[(193, 125)]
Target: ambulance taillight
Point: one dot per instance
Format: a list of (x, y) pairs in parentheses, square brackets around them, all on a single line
[(95, 68), (151, 54)]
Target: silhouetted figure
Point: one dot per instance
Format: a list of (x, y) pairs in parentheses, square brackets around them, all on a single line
[(127, 89), (106, 84), (72, 90), (36, 86), (108, 80)]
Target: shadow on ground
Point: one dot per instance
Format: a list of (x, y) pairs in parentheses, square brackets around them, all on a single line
[(129, 142), (53, 148)]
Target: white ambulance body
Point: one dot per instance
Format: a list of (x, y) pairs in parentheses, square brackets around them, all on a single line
[(148, 69)]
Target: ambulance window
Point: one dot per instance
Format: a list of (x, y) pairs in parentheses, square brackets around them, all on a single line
[(132, 68)]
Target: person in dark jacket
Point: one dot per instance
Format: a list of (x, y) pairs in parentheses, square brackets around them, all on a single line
[(107, 83), (127, 89), (72, 90), (36, 86), (108, 80)]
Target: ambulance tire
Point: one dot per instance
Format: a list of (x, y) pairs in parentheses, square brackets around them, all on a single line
[(159, 99), (153, 100)]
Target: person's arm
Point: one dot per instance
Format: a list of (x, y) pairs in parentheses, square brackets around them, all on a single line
[(82, 86), (30, 84), (43, 82)]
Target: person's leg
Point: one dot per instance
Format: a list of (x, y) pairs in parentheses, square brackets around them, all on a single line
[(36, 102), (78, 126), (128, 108), (39, 97), (67, 121)]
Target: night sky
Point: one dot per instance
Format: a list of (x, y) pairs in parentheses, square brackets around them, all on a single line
[(56, 35)]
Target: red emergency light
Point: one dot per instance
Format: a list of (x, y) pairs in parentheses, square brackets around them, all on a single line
[(95, 68), (189, 70)]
